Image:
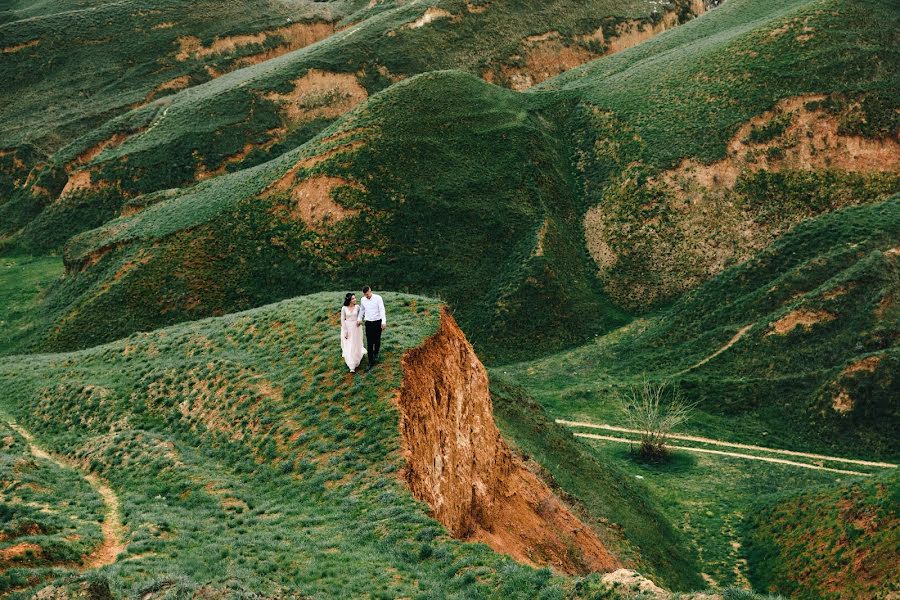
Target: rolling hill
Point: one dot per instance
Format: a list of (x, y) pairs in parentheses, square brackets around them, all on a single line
[(589, 197), (433, 184), (236, 454), (211, 103)]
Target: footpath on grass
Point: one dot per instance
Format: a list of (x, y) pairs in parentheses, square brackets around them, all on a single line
[(760, 452), (112, 545)]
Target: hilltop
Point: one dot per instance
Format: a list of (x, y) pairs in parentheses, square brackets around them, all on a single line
[(237, 453)]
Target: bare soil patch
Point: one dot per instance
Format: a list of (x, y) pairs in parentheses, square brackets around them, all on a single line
[(295, 36), (432, 14), (22, 46), (320, 94), (313, 202), (802, 317)]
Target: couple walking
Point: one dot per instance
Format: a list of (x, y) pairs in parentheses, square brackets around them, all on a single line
[(370, 311)]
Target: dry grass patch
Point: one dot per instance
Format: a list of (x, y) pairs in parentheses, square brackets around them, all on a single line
[(429, 16)]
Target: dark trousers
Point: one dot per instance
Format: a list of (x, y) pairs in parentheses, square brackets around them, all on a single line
[(373, 340)]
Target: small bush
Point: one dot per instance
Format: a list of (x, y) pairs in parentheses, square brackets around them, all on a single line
[(654, 409)]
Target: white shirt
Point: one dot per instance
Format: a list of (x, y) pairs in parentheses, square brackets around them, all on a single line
[(372, 309)]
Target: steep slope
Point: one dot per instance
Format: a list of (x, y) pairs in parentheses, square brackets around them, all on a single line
[(227, 121), (815, 364), (701, 146), (245, 458), (443, 183), (838, 542)]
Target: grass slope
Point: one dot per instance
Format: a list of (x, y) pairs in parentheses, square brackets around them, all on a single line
[(479, 211), (836, 542), (70, 68), (207, 430), (227, 121), (816, 371), (246, 459), (446, 185), (50, 515), (651, 544)]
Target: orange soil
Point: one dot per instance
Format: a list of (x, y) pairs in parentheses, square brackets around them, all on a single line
[(79, 180), (22, 46), (286, 182), (320, 94), (632, 33), (92, 152), (296, 35), (313, 203), (813, 143), (868, 364), (19, 550), (802, 317), (459, 464), (178, 83), (705, 224), (548, 54)]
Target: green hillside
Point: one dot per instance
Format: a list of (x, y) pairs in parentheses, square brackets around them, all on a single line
[(472, 202), (242, 457), (699, 147), (830, 542), (797, 346), (592, 197), (796, 349), (217, 117), (447, 185)]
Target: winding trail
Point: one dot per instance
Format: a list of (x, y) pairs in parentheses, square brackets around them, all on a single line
[(113, 531), (721, 443), (728, 345)]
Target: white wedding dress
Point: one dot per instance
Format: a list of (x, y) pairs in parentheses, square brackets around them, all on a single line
[(351, 337)]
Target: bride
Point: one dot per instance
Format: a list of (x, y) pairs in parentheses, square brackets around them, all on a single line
[(351, 333)]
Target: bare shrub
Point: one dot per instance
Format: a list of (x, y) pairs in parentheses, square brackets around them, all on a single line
[(654, 409)]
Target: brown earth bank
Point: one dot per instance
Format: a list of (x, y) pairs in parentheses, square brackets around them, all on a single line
[(548, 54), (458, 463)]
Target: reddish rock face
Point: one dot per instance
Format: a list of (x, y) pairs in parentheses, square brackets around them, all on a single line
[(460, 466)]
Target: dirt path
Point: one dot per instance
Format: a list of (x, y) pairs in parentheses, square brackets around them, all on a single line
[(712, 442), (113, 531), (730, 343), (781, 461)]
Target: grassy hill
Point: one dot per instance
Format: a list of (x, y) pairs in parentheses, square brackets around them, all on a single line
[(795, 349), (700, 147), (447, 185), (239, 92), (242, 457), (479, 210), (797, 346), (833, 542)]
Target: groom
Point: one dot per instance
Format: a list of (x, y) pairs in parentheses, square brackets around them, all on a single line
[(371, 309)]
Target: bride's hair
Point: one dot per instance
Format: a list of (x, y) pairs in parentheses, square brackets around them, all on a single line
[(347, 298)]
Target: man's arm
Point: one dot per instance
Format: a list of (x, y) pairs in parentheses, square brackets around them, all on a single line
[(383, 313), (362, 311)]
